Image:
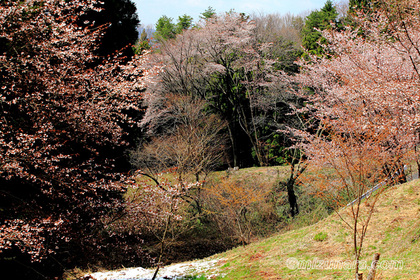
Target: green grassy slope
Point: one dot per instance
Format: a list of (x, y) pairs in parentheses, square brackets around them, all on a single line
[(394, 232)]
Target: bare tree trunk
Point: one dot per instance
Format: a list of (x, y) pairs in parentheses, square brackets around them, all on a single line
[(297, 167), (372, 271), (162, 245), (294, 209), (233, 142), (416, 152)]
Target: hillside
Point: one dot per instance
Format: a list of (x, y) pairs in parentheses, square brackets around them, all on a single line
[(394, 232), (318, 251)]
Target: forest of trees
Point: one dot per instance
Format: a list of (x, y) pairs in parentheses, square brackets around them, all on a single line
[(108, 137)]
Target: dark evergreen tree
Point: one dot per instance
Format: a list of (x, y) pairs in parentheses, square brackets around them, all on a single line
[(143, 36), (120, 20), (208, 13), (184, 22), (325, 18), (165, 28), (143, 43)]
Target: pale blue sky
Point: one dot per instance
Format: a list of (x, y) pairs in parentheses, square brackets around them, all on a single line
[(150, 11)]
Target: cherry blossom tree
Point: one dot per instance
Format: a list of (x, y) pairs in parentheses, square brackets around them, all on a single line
[(222, 63), (365, 99), (370, 83), (63, 128)]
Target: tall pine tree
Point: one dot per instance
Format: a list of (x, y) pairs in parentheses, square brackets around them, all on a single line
[(325, 18)]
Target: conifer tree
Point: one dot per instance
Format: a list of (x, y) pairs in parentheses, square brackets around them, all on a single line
[(317, 21)]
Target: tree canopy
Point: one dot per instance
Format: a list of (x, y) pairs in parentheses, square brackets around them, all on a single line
[(365, 99), (315, 22), (63, 129), (166, 29), (208, 13), (184, 22)]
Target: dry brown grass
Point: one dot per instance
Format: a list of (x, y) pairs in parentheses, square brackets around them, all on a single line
[(394, 232)]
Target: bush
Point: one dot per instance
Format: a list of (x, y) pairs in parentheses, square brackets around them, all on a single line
[(320, 236)]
